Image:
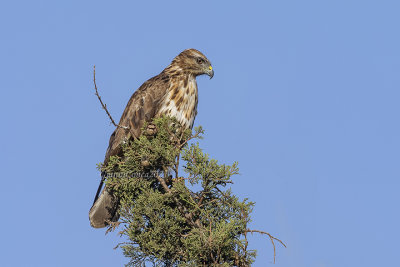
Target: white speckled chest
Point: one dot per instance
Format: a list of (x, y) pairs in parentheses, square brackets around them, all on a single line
[(181, 103)]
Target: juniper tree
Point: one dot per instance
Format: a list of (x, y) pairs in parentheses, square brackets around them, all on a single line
[(175, 207)]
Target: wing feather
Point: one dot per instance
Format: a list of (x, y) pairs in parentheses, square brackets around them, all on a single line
[(142, 106)]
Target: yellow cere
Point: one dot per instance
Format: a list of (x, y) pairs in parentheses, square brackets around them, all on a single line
[(210, 68)]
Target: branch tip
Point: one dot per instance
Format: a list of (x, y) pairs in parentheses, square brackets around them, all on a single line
[(104, 106)]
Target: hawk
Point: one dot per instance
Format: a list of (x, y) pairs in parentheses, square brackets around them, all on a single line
[(173, 92)]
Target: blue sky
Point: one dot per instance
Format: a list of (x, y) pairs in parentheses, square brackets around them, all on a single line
[(305, 96)]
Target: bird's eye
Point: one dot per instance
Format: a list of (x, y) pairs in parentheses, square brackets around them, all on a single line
[(200, 60)]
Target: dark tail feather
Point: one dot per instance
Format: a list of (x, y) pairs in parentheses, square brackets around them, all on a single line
[(104, 208), (103, 177)]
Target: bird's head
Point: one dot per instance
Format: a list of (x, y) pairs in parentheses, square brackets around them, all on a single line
[(193, 62)]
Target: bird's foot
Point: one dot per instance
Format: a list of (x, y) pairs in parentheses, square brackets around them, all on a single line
[(151, 129)]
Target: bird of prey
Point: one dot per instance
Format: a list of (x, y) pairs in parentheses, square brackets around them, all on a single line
[(173, 92)]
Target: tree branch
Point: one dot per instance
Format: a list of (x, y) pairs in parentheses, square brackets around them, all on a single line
[(272, 238), (190, 138), (104, 106), (182, 209)]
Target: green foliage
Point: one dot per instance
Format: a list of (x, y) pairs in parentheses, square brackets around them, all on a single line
[(167, 221)]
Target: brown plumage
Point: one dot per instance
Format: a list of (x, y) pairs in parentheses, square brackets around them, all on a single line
[(174, 93)]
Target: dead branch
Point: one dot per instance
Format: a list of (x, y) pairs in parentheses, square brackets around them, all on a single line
[(271, 237), (104, 106)]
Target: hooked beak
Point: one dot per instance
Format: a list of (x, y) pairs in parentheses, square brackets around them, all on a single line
[(210, 72)]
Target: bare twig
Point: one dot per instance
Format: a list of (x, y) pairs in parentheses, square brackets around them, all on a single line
[(176, 168), (104, 106), (112, 226), (272, 238), (190, 138)]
